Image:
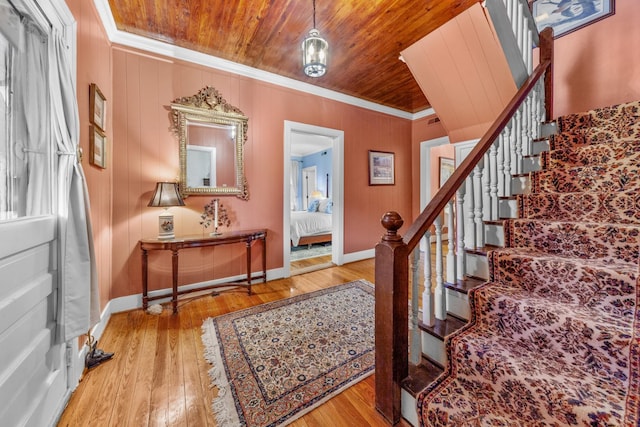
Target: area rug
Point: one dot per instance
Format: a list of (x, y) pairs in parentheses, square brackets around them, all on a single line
[(316, 250), (275, 362)]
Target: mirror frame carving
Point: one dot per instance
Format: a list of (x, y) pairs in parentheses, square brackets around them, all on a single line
[(208, 106)]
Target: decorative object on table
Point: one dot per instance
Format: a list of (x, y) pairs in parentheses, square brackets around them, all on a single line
[(290, 367), (215, 213), (166, 195), (97, 147), (97, 107), (566, 16), (381, 168), (315, 51)]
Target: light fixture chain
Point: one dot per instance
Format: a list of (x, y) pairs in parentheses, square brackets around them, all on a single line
[(314, 13)]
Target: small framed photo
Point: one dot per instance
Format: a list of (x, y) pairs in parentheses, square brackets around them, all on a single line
[(97, 147), (566, 16), (447, 166), (381, 168), (97, 107)]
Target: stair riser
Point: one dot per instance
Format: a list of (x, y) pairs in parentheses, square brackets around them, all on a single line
[(508, 208), (494, 234), (530, 164), (540, 146), (477, 265), (458, 304), (433, 348), (408, 408), (520, 185)]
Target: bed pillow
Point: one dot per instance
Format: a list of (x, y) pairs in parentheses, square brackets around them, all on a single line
[(325, 205), (313, 206)]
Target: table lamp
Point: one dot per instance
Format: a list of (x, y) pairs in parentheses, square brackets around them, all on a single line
[(166, 195)]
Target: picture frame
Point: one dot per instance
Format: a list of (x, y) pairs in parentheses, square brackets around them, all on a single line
[(382, 168), (567, 16), (447, 166), (97, 147), (97, 107)]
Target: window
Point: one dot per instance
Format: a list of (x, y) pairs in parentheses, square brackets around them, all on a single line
[(25, 146)]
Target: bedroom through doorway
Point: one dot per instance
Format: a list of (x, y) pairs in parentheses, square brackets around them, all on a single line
[(313, 198)]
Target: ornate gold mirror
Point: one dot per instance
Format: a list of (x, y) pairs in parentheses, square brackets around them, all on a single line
[(211, 136)]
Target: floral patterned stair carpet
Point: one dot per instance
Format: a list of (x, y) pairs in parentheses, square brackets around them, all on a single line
[(554, 336)]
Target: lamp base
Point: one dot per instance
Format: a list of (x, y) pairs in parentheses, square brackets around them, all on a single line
[(165, 226)]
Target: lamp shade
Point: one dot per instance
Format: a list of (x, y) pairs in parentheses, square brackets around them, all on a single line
[(166, 194)]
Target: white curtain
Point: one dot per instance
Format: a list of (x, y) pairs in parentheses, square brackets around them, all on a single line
[(32, 149), (295, 185), (80, 303)]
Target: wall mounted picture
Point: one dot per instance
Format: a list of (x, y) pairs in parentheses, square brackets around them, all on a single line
[(566, 16), (381, 168), (97, 147), (97, 107), (447, 166)]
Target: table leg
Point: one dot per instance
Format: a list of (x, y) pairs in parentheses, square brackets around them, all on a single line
[(174, 268), (264, 259), (145, 291), (249, 242)]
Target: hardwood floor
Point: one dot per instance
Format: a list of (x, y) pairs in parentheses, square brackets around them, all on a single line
[(158, 375)]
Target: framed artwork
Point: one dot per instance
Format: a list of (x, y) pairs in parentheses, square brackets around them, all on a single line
[(97, 107), (447, 166), (566, 16), (381, 168), (97, 147)]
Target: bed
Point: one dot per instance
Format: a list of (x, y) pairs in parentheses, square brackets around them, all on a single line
[(311, 226)]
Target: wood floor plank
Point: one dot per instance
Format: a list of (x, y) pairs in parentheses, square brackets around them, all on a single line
[(159, 375)]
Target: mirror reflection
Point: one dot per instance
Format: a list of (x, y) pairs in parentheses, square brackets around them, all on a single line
[(211, 136)]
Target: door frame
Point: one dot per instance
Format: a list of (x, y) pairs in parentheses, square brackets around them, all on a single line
[(337, 190)]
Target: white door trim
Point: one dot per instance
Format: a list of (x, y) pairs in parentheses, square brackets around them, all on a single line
[(337, 190)]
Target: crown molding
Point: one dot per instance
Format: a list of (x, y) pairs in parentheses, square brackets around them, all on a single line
[(175, 52)]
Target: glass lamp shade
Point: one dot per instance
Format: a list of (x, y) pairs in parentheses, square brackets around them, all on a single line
[(165, 196), (315, 50)]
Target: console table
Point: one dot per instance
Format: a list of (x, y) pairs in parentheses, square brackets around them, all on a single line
[(248, 237)]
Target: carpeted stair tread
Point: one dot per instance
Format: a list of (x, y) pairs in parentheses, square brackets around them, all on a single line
[(610, 288), (608, 207), (519, 309), (591, 154), (609, 243), (501, 381), (617, 177), (619, 117)]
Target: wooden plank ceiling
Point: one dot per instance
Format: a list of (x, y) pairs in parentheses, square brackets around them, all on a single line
[(365, 37)]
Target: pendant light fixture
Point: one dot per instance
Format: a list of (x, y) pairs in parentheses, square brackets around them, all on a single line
[(314, 51)]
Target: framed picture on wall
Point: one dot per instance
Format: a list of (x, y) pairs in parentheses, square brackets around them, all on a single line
[(447, 166), (381, 168), (566, 16), (97, 107), (97, 147)]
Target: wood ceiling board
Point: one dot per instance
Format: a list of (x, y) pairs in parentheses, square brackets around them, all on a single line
[(365, 37)]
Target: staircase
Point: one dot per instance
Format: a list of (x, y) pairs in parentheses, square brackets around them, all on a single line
[(552, 337)]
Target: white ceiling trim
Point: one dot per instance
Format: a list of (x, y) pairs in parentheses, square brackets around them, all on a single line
[(176, 52)]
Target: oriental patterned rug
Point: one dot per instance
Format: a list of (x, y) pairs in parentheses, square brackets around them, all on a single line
[(275, 362)]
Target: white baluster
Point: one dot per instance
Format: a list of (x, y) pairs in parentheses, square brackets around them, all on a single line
[(469, 225), (500, 162), (507, 158), (428, 309), (477, 206), (451, 258), (513, 156), (516, 162), (486, 187), (461, 267), (441, 303), (493, 179), (415, 354)]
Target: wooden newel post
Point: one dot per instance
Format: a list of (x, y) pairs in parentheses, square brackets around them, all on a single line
[(392, 327)]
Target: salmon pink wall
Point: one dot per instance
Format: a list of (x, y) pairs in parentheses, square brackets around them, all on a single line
[(599, 65), (424, 129), (145, 151), (94, 66)]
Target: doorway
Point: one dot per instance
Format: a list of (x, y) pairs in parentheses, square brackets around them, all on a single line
[(300, 133)]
